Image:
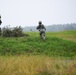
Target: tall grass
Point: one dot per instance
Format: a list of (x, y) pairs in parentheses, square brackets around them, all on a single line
[(36, 65), (33, 56)]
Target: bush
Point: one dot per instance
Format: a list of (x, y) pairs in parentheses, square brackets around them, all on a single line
[(15, 32)]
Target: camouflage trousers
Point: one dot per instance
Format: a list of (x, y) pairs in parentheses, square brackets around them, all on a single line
[(42, 34)]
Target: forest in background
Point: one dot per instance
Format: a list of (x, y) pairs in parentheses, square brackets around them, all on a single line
[(53, 28)]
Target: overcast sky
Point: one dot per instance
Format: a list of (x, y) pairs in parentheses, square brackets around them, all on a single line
[(29, 12)]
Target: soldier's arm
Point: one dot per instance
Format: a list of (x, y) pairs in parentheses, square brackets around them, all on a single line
[(44, 27), (37, 27)]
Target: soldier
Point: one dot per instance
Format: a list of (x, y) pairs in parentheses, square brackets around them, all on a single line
[(0, 20), (0, 24), (41, 29)]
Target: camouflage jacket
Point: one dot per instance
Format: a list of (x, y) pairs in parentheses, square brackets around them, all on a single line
[(39, 27)]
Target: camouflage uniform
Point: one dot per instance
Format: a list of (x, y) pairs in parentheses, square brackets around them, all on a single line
[(0, 24), (0, 20), (41, 29)]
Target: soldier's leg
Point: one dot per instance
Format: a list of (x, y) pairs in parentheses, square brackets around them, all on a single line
[(41, 35)]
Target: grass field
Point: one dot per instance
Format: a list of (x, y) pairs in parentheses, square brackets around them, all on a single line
[(36, 65), (33, 56)]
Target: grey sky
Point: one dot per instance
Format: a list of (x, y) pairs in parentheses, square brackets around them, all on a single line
[(29, 12)]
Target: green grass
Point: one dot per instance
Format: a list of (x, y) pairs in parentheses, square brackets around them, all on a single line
[(33, 56), (54, 45), (68, 35)]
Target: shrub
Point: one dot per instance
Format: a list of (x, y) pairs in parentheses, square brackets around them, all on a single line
[(6, 32), (15, 32)]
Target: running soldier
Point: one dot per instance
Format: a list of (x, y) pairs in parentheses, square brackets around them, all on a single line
[(41, 29)]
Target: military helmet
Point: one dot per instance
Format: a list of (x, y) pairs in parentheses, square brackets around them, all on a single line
[(40, 22)]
